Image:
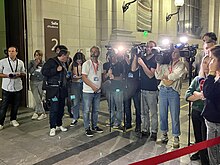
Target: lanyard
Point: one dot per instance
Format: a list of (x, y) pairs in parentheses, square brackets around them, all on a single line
[(12, 67), (95, 67), (172, 65)]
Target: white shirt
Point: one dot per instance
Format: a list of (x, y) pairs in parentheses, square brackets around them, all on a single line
[(95, 76), (8, 84)]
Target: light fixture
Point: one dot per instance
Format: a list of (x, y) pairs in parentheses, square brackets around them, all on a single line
[(178, 4), (125, 6), (183, 39)]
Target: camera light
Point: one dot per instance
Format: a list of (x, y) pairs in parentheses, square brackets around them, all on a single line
[(165, 42), (120, 48), (183, 39)]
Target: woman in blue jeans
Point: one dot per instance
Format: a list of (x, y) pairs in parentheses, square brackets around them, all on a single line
[(169, 95), (76, 85)]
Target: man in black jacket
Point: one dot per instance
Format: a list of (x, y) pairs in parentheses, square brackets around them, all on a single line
[(55, 72)]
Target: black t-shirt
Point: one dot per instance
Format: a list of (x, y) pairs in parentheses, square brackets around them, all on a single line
[(149, 84)]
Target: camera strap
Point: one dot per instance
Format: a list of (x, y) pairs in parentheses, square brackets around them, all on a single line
[(12, 67)]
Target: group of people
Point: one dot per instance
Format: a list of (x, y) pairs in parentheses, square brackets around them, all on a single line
[(141, 78)]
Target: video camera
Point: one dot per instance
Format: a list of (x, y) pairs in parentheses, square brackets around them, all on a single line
[(187, 51), (164, 56), (139, 49)]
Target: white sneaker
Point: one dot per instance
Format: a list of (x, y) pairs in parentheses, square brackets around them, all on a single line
[(52, 132), (61, 128), (35, 116), (14, 123), (42, 116), (1, 127)]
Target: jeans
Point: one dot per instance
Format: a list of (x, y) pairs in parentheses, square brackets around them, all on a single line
[(36, 89), (115, 105), (200, 132), (13, 98), (91, 100), (168, 97), (127, 108), (75, 97), (213, 131), (56, 111), (149, 105)]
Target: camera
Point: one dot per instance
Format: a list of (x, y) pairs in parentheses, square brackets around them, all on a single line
[(12, 75), (163, 56), (188, 51), (110, 51), (139, 49)]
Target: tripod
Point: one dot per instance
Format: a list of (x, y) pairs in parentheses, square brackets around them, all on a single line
[(190, 60)]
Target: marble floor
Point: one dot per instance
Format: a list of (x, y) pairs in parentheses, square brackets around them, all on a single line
[(30, 142)]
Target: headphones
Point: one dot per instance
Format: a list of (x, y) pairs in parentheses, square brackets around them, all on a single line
[(62, 52)]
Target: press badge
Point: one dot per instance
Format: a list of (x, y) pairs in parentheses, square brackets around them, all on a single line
[(96, 79), (130, 75)]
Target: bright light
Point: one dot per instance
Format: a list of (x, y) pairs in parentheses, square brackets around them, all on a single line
[(183, 39), (165, 42), (120, 48), (179, 3)]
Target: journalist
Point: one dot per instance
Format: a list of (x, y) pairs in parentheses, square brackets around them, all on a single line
[(169, 95), (92, 72), (149, 91), (55, 72), (11, 71)]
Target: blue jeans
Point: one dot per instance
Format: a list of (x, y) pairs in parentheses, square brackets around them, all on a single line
[(75, 97), (168, 97), (137, 105), (115, 105), (91, 100)]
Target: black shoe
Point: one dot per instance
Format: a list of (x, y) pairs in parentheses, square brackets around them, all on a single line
[(153, 136), (73, 123), (89, 133), (195, 156), (137, 129), (145, 134), (97, 129)]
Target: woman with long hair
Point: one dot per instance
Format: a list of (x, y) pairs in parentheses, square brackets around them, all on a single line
[(195, 95), (76, 85), (211, 111)]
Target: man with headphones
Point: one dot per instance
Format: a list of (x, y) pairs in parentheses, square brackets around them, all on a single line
[(11, 71), (55, 72)]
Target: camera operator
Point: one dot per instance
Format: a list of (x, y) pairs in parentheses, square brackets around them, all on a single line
[(149, 91), (132, 92), (113, 71), (209, 40), (11, 71), (169, 95), (55, 72)]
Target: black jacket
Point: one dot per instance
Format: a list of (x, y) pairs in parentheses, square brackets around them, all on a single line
[(53, 77), (211, 90)]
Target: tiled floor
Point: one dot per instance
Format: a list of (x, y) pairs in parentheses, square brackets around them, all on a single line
[(30, 143)]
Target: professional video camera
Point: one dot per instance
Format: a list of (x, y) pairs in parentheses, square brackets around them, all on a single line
[(139, 49), (163, 56), (110, 51), (186, 50)]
